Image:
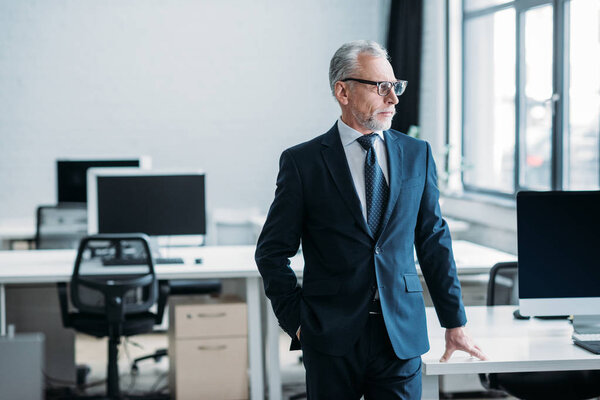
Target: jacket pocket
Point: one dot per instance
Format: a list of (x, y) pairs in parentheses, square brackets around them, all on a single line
[(323, 287), (413, 283)]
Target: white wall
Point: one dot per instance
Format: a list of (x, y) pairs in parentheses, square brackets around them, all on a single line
[(221, 85)]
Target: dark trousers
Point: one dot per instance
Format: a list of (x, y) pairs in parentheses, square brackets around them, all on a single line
[(370, 369)]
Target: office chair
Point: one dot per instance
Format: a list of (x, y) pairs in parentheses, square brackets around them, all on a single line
[(60, 226), (559, 385), (103, 300)]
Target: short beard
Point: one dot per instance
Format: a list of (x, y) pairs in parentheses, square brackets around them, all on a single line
[(371, 123)]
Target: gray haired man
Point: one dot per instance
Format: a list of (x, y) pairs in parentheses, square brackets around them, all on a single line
[(359, 197)]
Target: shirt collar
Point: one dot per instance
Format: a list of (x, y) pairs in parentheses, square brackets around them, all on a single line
[(349, 135)]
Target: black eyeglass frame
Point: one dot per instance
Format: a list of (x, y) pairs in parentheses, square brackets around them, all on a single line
[(399, 83)]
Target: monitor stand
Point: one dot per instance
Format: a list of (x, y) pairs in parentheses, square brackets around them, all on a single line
[(123, 253), (158, 257)]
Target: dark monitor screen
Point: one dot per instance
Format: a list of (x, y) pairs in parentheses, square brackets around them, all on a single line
[(157, 205), (71, 176), (558, 242)]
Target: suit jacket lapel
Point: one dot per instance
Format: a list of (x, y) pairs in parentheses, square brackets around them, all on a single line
[(394, 155), (335, 159)]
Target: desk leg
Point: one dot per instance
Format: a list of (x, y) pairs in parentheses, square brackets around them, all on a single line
[(431, 389), (273, 364), (2, 310), (255, 353)]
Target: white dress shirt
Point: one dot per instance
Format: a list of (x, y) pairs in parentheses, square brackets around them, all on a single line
[(356, 154)]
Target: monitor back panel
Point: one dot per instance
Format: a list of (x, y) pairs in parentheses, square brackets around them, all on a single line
[(71, 177), (558, 244), (153, 204)]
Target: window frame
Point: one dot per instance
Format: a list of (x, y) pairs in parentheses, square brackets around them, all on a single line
[(560, 101)]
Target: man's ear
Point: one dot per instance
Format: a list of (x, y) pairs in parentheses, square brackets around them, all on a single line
[(341, 92)]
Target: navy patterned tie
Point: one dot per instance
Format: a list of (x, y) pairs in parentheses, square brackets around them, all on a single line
[(376, 188)]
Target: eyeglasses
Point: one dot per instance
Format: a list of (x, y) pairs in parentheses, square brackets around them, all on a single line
[(383, 87)]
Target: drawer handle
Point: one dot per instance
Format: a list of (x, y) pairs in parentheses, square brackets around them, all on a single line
[(212, 315), (213, 348)]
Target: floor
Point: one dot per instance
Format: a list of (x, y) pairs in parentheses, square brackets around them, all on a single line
[(152, 376)]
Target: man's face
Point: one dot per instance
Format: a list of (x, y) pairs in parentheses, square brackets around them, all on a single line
[(362, 107)]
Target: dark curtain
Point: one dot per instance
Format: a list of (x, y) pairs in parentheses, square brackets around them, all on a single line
[(404, 47)]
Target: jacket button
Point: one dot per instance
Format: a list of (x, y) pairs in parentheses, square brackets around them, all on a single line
[(377, 250)]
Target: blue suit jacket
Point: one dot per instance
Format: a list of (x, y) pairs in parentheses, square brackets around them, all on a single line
[(316, 203)]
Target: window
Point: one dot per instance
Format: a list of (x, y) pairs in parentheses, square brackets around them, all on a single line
[(536, 102), (530, 95), (583, 106), (489, 100)]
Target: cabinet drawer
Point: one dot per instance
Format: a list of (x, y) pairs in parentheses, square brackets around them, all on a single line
[(211, 369), (210, 320)]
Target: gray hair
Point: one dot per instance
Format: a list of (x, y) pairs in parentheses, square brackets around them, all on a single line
[(344, 62)]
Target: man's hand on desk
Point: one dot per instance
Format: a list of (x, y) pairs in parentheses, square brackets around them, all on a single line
[(458, 339)]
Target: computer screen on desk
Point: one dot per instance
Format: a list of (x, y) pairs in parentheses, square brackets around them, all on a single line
[(152, 202), (558, 251), (71, 175)]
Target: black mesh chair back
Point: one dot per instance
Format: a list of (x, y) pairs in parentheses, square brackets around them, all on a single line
[(503, 284), (113, 300), (93, 283)]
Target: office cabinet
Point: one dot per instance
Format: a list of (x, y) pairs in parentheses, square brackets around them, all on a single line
[(208, 348), (21, 366), (34, 308)]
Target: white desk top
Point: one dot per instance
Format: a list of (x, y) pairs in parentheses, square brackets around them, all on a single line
[(472, 258), (23, 228), (41, 266), (511, 345)]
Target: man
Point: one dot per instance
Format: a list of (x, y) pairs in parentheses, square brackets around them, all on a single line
[(359, 197)]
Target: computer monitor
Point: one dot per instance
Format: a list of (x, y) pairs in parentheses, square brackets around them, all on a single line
[(71, 175), (157, 203), (559, 261)]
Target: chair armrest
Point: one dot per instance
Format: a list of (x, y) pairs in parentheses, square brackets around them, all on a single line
[(490, 382), (163, 294), (64, 304), (484, 380)]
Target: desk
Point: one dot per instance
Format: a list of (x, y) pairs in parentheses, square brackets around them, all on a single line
[(16, 230), (222, 262), (511, 345)]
